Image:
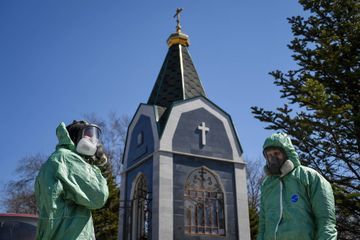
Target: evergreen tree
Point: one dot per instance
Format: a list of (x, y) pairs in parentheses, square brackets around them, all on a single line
[(325, 91), (106, 219), (254, 222)]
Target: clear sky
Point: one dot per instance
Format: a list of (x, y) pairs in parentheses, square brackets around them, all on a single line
[(62, 59)]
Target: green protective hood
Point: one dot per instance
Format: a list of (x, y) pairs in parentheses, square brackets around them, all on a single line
[(283, 141), (64, 138)]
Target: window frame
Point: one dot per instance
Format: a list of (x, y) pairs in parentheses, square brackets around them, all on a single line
[(210, 198)]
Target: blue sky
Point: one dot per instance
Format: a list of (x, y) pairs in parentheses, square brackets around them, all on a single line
[(62, 59)]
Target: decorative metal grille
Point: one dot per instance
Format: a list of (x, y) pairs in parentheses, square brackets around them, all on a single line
[(137, 212), (203, 204)]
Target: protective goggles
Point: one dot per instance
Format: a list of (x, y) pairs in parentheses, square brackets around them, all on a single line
[(93, 132), (271, 152)]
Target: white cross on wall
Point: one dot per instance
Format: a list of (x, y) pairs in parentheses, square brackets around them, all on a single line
[(203, 130)]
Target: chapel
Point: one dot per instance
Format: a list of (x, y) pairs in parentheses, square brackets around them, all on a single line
[(183, 173)]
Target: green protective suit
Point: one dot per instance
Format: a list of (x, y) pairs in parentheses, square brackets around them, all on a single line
[(299, 204), (66, 189)]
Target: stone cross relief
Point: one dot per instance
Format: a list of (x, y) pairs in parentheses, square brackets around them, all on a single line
[(203, 130)]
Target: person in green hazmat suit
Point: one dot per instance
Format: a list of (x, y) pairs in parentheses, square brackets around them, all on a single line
[(296, 201), (69, 184)]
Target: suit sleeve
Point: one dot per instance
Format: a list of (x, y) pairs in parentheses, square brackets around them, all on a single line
[(323, 207), (83, 183)]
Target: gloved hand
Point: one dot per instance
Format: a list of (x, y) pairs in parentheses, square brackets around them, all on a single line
[(99, 159)]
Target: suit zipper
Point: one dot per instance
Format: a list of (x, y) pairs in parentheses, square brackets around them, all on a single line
[(281, 209)]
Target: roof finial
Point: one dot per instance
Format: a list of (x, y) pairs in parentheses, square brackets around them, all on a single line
[(178, 37), (177, 15)]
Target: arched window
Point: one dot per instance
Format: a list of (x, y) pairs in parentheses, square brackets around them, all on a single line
[(141, 209), (204, 204)]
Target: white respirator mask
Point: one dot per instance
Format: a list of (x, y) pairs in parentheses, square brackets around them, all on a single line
[(86, 146)]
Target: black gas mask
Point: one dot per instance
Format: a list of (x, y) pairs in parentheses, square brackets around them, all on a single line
[(275, 158)]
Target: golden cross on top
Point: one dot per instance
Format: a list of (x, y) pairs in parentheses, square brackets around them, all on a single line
[(177, 15)]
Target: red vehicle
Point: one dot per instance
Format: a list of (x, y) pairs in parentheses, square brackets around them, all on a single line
[(17, 226)]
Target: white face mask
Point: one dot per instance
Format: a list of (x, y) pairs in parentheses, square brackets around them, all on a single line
[(86, 146)]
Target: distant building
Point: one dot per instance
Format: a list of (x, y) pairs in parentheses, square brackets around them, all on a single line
[(184, 176)]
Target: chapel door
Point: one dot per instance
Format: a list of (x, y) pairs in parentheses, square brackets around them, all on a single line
[(141, 209)]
